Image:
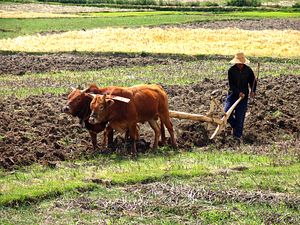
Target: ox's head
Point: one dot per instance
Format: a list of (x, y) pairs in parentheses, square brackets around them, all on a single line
[(77, 101), (99, 108)]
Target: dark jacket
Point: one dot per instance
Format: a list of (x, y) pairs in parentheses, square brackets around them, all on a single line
[(240, 81)]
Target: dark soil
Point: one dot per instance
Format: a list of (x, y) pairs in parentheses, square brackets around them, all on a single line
[(265, 24), (34, 129), (19, 64)]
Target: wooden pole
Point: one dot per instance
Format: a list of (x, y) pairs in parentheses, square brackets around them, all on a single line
[(195, 117)]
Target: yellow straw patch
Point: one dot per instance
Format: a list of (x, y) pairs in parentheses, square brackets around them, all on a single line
[(271, 43), (16, 14)]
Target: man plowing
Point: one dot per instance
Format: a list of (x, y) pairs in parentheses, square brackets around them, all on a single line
[(241, 78)]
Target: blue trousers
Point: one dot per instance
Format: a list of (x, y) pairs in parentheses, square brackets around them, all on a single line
[(237, 117)]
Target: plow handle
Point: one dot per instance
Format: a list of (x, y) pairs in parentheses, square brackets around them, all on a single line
[(220, 127)]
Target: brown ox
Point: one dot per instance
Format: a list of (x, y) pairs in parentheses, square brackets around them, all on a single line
[(78, 105), (147, 103)]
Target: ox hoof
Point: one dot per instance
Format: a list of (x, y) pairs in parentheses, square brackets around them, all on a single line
[(133, 156), (154, 148), (105, 151), (162, 143)]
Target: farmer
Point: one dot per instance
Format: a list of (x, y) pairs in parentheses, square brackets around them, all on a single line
[(241, 78)]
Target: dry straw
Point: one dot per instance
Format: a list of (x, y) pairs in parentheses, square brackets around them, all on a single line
[(272, 43), (16, 14)]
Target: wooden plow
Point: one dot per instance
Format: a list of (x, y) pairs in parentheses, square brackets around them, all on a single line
[(209, 118)]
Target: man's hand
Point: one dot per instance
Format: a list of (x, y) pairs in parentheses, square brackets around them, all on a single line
[(242, 95), (252, 94)]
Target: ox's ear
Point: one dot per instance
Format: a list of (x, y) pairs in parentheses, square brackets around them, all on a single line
[(109, 102)]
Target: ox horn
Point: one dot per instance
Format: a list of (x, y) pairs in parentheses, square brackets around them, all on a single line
[(84, 90), (73, 88), (91, 95)]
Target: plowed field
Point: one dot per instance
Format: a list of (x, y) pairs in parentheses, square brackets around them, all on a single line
[(35, 130)]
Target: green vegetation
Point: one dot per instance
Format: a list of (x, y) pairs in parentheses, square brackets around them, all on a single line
[(230, 176), (120, 2), (277, 113), (125, 2), (17, 27), (242, 3), (18, 1), (26, 91), (148, 2), (92, 207), (37, 183), (40, 182), (296, 5)]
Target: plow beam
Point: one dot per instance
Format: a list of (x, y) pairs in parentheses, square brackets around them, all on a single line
[(195, 117)]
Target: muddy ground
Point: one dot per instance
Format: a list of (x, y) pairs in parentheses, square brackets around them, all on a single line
[(19, 64), (34, 129), (259, 24)]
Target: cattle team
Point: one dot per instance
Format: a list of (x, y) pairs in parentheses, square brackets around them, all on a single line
[(121, 109)]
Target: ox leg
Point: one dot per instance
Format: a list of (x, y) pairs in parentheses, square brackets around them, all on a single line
[(94, 139), (163, 133), (169, 125), (104, 141), (127, 135), (155, 127), (108, 137), (133, 134)]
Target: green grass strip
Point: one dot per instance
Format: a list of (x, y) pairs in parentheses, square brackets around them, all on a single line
[(18, 27), (26, 91), (137, 14), (38, 182), (186, 164)]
